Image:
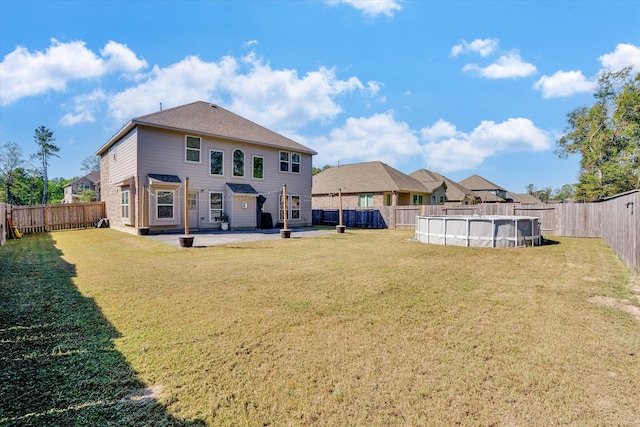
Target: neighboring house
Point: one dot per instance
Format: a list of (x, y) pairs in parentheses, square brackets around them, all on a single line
[(455, 193), (485, 189), (370, 185), (72, 190), (525, 198), (235, 168)]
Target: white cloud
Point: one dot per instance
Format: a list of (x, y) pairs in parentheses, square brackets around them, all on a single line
[(120, 58), (84, 108), (447, 149), (563, 83), (280, 98), (249, 44), (276, 98), (186, 81), (484, 47), (509, 65), (440, 130), (24, 73), (625, 55), (379, 137), (371, 8)]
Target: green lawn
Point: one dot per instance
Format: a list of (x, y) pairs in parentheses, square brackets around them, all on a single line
[(99, 327)]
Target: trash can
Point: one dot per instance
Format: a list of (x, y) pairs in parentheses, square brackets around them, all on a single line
[(266, 220)]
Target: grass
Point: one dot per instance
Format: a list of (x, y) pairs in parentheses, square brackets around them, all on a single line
[(365, 328)]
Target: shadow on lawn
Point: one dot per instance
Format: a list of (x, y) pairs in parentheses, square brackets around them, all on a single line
[(58, 363)]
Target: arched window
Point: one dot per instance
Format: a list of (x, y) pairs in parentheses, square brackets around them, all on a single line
[(238, 163)]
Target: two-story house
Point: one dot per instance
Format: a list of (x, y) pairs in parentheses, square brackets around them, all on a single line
[(74, 189), (232, 167)]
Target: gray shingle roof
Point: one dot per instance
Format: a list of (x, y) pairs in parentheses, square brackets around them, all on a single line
[(365, 177), (203, 118), (524, 198), (455, 192), (242, 188), (164, 178), (476, 182)]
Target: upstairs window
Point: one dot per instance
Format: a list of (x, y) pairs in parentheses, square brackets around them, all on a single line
[(295, 162), (289, 162), (258, 167), (238, 163), (217, 163), (284, 161), (192, 149)]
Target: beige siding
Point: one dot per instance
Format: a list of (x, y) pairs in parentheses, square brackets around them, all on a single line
[(164, 153), (243, 212), (122, 158)]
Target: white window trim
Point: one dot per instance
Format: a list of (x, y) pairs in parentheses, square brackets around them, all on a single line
[(366, 196), (233, 166), (299, 162), (290, 161), (128, 204), (187, 148), (290, 207), (212, 218), (253, 165), (210, 153), (280, 161), (173, 204)]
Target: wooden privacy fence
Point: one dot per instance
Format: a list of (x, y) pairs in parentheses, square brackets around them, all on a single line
[(616, 220), (42, 218)]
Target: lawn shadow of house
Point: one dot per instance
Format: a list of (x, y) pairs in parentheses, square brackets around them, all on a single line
[(58, 362)]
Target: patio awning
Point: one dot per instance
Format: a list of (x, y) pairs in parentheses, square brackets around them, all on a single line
[(242, 189), (165, 180)]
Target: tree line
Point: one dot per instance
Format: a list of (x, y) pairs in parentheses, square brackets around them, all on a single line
[(26, 181), (606, 135)]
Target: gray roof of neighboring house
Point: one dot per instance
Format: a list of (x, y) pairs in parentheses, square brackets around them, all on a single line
[(365, 177), (476, 182), (429, 179), (454, 192), (487, 196), (204, 118), (525, 198), (93, 177)]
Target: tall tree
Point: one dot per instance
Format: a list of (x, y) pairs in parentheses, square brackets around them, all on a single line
[(90, 164), (607, 137), (44, 138), (10, 161)]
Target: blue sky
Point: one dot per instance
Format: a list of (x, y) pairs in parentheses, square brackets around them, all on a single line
[(458, 87)]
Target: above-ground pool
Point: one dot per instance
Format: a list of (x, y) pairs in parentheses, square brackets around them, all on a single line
[(482, 231)]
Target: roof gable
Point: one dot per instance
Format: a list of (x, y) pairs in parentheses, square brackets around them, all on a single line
[(476, 182), (203, 118), (364, 178), (454, 191)]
